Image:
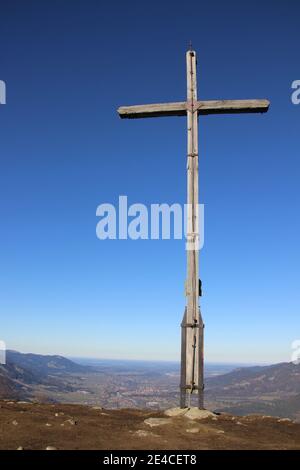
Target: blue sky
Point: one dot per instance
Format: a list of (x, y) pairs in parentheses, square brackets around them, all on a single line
[(67, 67)]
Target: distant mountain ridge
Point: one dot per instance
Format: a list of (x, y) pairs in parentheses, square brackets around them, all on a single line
[(271, 390), (43, 365), (22, 373), (278, 379)]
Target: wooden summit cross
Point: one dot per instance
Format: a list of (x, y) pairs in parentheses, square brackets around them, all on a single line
[(192, 377)]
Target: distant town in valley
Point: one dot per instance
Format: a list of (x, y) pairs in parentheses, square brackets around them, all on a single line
[(268, 390)]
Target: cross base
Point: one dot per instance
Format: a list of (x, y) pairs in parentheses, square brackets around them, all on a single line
[(191, 380)]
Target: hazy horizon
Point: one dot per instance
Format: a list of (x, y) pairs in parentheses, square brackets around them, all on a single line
[(87, 359)]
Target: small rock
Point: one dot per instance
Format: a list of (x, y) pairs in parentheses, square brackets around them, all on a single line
[(20, 448), (220, 431), (50, 448), (192, 430), (175, 411), (191, 413), (214, 418), (48, 424), (152, 422), (195, 413), (71, 421), (284, 420), (15, 422), (97, 408), (142, 433)]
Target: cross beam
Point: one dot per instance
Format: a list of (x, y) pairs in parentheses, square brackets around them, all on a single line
[(180, 108), (192, 326)]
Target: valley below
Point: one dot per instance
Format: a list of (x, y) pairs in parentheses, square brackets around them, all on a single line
[(266, 390)]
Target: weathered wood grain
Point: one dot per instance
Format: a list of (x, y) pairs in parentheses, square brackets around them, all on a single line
[(180, 108), (232, 106), (153, 110)]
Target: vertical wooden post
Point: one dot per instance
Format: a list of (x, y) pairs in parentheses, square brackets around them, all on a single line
[(192, 325)]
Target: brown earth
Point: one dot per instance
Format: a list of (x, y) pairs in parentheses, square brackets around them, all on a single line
[(36, 426)]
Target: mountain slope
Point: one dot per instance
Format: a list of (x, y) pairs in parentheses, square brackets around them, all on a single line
[(7, 387), (42, 365), (282, 408), (280, 380), (269, 390), (24, 375)]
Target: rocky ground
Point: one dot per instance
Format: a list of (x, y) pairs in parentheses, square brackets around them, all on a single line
[(40, 426)]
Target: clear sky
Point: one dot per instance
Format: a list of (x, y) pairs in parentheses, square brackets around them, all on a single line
[(67, 67)]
